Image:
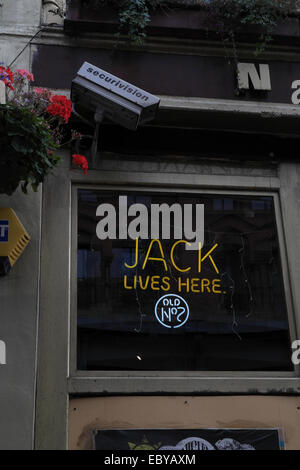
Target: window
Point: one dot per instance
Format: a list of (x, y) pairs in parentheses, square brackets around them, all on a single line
[(147, 305)]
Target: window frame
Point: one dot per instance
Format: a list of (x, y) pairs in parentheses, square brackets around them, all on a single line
[(55, 382), (163, 381)]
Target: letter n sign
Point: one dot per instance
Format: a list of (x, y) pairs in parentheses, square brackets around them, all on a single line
[(260, 80), (4, 224)]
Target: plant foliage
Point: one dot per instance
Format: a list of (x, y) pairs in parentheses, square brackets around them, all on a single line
[(32, 128), (26, 149), (229, 16), (134, 15), (232, 16)]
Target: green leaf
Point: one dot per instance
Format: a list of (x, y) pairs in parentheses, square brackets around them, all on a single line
[(14, 132), (18, 145)]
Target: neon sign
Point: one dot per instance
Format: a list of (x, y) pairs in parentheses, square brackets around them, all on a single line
[(172, 311)]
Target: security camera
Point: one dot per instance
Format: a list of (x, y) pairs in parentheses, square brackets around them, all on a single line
[(99, 93)]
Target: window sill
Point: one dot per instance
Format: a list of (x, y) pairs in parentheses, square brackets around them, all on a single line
[(143, 385)]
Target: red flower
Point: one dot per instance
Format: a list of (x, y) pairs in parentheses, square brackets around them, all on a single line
[(6, 76), (60, 106), (80, 160), (25, 74), (41, 91)]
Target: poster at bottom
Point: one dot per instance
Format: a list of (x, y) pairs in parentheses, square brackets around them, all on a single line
[(188, 439)]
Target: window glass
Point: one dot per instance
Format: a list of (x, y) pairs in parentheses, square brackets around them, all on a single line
[(156, 305)]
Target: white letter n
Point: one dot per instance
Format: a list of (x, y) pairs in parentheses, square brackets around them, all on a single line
[(247, 72)]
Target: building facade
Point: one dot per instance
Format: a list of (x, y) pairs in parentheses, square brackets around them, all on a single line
[(136, 331)]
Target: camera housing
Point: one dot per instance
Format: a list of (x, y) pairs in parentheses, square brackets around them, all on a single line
[(94, 89)]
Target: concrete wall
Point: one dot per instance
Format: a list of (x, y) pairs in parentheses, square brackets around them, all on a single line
[(20, 20), (19, 291), (18, 328), (21, 13)]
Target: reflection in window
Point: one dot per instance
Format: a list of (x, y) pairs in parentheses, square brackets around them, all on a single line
[(237, 312)]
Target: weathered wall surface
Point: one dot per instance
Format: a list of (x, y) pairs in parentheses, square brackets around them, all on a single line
[(19, 291), (18, 328), (87, 414), (20, 13), (19, 21)]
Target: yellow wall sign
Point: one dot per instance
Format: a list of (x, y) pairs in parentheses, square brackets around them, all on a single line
[(13, 236)]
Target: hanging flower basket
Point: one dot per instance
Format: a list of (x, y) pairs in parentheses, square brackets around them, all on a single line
[(26, 149), (31, 130)]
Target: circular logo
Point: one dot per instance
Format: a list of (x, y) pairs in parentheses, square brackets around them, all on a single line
[(191, 443), (172, 311)]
